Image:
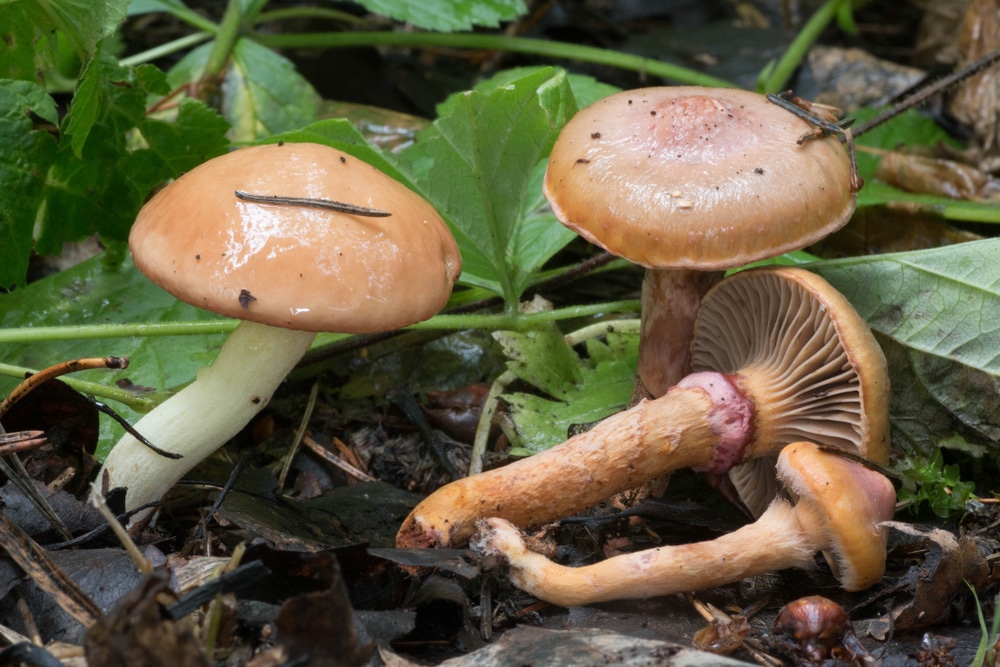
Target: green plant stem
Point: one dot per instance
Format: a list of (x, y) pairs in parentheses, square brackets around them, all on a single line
[(225, 40), (192, 18), (162, 50), (90, 331), (288, 13), (527, 45), (137, 403), (781, 73), (492, 321)]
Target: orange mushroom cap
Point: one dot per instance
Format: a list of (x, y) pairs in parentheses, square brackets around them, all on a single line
[(850, 502), (297, 267)]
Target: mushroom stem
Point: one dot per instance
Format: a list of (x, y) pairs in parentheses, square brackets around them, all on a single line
[(705, 419), (775, 541), (224, 397), (670, 302), (839, 508)]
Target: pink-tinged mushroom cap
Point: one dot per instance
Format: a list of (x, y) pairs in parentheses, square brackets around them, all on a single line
[(696, 178)]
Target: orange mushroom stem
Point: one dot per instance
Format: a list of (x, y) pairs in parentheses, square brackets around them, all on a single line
[(837, 506)]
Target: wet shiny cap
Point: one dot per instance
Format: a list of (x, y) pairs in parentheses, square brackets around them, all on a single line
[(292, 265), (697, 178), (849, 502)]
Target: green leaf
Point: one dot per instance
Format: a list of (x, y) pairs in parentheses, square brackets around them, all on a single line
[(26, 155), (83, 22), (99, 180), (448, 15), (604, 386), (586, 89), (941, 310), (262, 94), (542, 358), (484, 149), (90, 292), (27, 49), (943, 302), (342, 135), (95, 177)]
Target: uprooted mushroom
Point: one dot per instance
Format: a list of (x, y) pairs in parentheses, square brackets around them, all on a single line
[(780, 356), (836, 505)]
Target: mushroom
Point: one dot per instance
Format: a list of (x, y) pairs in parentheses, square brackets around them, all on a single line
[(252, 235), (688, 180), (837, 506), (781, 355), (814, 629)]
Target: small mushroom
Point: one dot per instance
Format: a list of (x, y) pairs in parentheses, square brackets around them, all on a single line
[(687, 182), (814, 629), (837, 506), (286, 264), (781, 356)]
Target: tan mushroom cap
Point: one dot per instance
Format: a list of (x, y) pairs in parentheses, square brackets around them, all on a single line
[(297, 267), (697, 178), (850, 501), (810, 361)]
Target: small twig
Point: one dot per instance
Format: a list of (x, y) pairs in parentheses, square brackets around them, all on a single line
[(299, 434), (131, 429), (100, 530), (141, 562), (20, 441), (327, 204), (335, 460), (929, 91), (44, 375), (825, 124), (230, 483)]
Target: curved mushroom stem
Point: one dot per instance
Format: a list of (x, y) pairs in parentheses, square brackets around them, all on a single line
[(775, 541), (670, 302), (704, 420), (204, 415), (838, 511)]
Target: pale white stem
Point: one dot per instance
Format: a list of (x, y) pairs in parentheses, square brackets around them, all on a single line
[(781, 538), (204, 415)]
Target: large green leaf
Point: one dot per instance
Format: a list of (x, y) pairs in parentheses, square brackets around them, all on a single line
[(261, 93), (96, 174), (940, 309), (27, 25), (26, 155), (944, 302), (448, 15), (476, 164), (96, 294)]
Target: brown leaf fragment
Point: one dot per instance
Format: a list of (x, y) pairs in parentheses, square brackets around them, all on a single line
[(975, 102), (139, 631), (951, 565), (35, 561), (935, 176), (319, 627)]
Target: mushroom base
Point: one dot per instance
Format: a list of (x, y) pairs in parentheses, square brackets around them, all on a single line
[(204, 415)]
